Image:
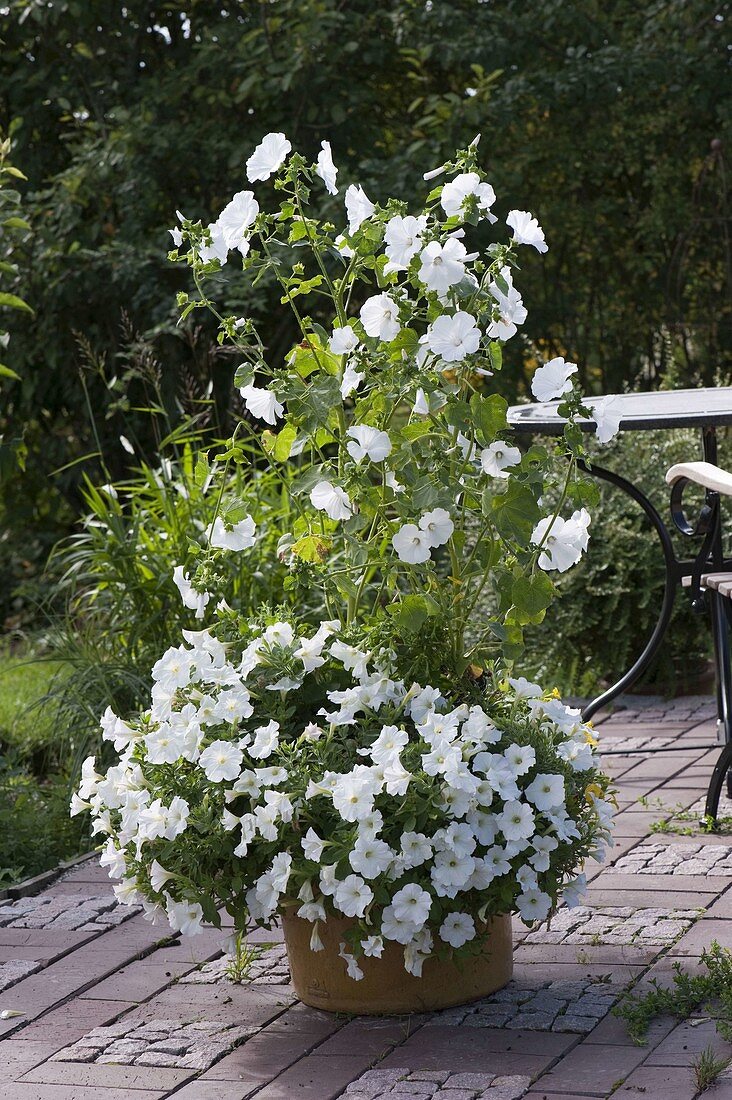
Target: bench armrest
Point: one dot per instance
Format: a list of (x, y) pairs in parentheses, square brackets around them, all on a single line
[(702, 473)]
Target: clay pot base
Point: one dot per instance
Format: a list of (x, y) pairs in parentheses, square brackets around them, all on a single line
[(321, 981)]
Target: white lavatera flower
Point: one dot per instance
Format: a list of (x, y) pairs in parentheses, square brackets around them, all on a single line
[(326, 169), (438, 526), (262, 403), (332, 500), (343, 341), (497, 459), (217, 249), (452, 337), (607, 414), (368, 442), (359, 207), (553, 379), (563, 541), (454, 194), (240, 536), (350, 381), (403, 240), (443, 265), (191, 597), (526, 229), (177, 236), (380, 317), (513, 312), (412, 544), (269, 155), (236, 219)]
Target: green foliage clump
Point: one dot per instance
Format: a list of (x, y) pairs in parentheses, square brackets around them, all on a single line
[(710, 992)]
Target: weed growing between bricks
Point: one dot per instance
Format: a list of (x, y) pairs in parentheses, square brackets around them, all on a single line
[(710, 992)]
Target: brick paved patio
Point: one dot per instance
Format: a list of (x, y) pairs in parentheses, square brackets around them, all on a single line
[(113, 1009)]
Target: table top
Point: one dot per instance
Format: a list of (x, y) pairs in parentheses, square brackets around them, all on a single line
[(639, 411)]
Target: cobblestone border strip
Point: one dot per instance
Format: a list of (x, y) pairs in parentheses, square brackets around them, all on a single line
[(268, 967), (66, 912), (177, 1044), (378, 1084), (675, 859)]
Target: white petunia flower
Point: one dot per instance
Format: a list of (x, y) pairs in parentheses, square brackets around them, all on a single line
[(403, 240), (563, 541), (516, 821), (533, 905), (373, 947), (185, 917), (607, 414), (240, 536), (262, 403), (265, 741), (524, 689), (312, 845), (520, 758), (412, 544), (416, 849), (457, 929), (236, 218), (353, 970), (380, 317), (343, 341), (371, 857), (368, 442), (497, 459), (332, 500), (526, 230), (267, 157), (438, 526), (453, 337), (412, 904), (326, 169), (443, 265), (457, 191), (352, 895), (221, 760), (159, 876), (359, 207), (395, 928), (546, 791)]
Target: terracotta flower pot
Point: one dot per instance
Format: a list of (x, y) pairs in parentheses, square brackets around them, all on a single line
[(320, 977)]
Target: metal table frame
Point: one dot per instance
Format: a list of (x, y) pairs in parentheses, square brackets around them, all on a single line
[(710, 557)]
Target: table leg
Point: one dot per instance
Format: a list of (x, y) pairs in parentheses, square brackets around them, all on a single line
[(669, 592)]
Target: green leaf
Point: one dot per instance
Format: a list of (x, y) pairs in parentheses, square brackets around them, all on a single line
[(515, 512), (16, 223), (202, 469), (12, 301), (489, 415), (283, 443), (6, 372), (531, 596), (243, 375), (312, 548), (16, 172), (412, 612)]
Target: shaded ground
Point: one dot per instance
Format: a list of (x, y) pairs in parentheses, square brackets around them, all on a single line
[(111, 1011)]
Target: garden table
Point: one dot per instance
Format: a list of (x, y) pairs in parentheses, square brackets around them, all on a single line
[(705, 409)]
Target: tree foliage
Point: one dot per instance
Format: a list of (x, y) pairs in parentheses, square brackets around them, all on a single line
[(613, 118)]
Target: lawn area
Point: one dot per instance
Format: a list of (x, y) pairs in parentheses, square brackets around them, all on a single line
[(35, 829)]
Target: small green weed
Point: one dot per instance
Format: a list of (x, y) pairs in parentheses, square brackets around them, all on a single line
[(707, 1067), (711, 991), (242, 959)]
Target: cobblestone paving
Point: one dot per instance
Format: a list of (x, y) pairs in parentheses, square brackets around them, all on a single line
[(178, 1044), (621, 924), (377, 1084), (628, 745), (676, 859), (15, 970), (70, 912), (725, 806), (570, 1006), (269, 967)]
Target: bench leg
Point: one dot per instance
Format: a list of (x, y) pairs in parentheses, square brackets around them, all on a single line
[(720, 773), (720, 631)]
